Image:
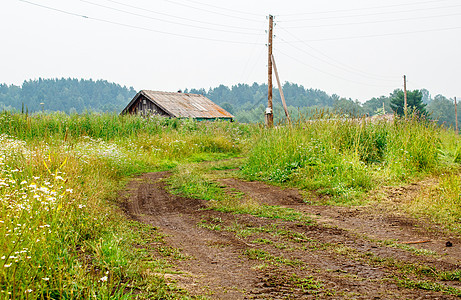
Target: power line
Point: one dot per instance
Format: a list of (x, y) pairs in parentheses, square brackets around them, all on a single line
[(376, 35), (55, 9), (377, 21), (250, 57), (225, 8), (254, 64), (134, 26), (328, 73), (209, 11), (363, 8), (162, 20), (338, 64), (371, 14), (178, 17)]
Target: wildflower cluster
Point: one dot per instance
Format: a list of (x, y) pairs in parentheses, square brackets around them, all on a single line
[(30, 218), (90, 147), (10, 146), (33, 211)]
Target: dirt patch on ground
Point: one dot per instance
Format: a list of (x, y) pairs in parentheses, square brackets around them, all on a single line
[(352, 253)]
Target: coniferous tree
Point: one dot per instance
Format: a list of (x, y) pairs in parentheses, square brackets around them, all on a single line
[(414, 102)]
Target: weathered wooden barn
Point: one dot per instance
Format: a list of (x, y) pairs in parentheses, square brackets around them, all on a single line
[(176, 105)]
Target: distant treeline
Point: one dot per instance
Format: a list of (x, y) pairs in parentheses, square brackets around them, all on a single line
[(67, 95), (246, 102)]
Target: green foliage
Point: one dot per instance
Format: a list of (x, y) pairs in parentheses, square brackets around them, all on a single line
[(413, 147), (247, 102), (414, 103), (429, 286), (343, 159), (371, 106), (442, 201), (66, 95), (442, 110), (257, 254), (61, 236)]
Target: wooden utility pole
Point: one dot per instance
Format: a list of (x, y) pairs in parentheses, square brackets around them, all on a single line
[(269, 109), (456, 116), (280, 90), (405, 95)]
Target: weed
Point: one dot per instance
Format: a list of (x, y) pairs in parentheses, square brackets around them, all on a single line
[(204, 224), (257, 254), (429, 286)]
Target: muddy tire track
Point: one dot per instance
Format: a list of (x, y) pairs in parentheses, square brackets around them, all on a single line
[(336, 257)]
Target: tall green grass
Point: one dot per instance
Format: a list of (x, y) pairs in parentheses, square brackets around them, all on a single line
[(62, 233), (109, 126), (345, 158), (63, 236)]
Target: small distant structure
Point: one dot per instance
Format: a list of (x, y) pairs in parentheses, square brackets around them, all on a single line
[(381, 118), (176, 105)]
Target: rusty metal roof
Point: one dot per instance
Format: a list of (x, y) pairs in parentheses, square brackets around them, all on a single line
[(182, 105)]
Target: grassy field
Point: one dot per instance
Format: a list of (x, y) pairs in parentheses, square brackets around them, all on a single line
[(64, 234)]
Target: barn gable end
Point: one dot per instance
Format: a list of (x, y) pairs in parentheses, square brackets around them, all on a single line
[(143, 105)]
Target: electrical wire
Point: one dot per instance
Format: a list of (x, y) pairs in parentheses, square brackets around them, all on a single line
[(371, 14), (226, 9), (249, 59), (209, 11), (178, 17), (134, 26), (256, 61), (162, 20), (374, 22), (330, 74), (363, 8), (339, 66), (377, 35)]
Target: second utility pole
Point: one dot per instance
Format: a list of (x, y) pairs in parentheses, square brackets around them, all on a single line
[(456, 116), (405, 95), (269, 109)]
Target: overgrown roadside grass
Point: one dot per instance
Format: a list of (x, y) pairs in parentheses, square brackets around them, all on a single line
[(340, 161), (63, 234), (344, 159), (440, 202)]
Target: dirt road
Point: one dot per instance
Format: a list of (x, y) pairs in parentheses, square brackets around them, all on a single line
[(343, 253)]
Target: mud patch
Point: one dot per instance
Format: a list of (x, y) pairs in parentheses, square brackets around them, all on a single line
[(230, 256)]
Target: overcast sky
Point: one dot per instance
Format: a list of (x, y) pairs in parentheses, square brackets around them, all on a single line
[(354, 48)]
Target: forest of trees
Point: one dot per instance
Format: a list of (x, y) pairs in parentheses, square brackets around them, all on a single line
[(246, 102), (67, 95)]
